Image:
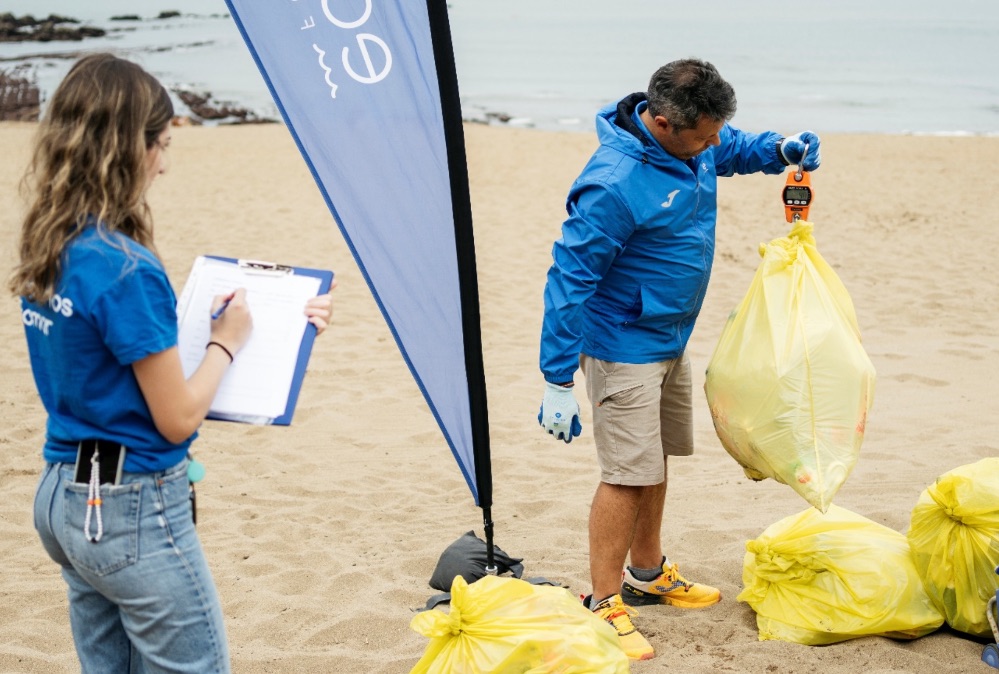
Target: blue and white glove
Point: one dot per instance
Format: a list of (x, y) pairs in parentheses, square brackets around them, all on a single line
[(793, 147), (560, 412)]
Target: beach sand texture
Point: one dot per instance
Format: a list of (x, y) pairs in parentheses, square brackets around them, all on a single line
[(322, 536)]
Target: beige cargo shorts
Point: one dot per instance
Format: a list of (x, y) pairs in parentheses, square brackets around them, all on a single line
[(641, 414)]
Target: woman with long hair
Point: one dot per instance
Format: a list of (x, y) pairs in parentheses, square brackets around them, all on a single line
[(113, 504)]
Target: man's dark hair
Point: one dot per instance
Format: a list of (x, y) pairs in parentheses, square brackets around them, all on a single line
[(683, 91)]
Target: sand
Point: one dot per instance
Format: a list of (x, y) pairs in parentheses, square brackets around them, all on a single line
[(322, 536)]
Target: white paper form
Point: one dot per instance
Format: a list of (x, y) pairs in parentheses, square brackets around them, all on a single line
[(256, 386)]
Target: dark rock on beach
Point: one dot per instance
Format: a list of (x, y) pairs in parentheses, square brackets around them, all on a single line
[(50, 29), (126, 17), (171, 14), (204, 108), (20, 98)]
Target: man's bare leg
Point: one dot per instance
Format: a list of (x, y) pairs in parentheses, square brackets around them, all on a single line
[(646, 544), (613, 515)]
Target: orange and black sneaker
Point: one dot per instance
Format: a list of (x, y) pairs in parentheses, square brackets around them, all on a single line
[(619, 615), (669, 587)]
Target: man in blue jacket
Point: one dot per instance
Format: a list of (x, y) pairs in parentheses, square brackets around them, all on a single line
[(628, 279)]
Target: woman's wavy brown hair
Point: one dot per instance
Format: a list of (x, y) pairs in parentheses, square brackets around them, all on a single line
[(89, 163)]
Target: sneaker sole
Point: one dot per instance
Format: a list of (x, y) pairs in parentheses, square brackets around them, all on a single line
[(638, 598), (643, 656)]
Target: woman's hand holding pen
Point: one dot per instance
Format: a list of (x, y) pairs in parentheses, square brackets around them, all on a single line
[(231, 323), (319, 309)]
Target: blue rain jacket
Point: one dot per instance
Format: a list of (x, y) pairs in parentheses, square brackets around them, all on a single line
[(632, 267)]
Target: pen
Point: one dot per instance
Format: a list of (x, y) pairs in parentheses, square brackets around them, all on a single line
[(218, 312)]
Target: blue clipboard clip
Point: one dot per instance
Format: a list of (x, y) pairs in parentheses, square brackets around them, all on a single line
[(262, 267)]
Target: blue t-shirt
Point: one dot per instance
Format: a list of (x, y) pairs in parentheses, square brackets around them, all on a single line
[(113, 306)]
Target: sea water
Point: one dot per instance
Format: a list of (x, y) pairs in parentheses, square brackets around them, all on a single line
[(885, 66)]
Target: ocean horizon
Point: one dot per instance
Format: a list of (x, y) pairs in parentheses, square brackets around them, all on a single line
[(895, 66)]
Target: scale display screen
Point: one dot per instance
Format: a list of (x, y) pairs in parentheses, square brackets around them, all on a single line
[(800, 194)]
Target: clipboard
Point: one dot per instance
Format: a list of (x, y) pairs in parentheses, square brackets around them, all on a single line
[(264, 381)]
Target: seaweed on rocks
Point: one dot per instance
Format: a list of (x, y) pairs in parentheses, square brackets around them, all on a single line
[(20, 99)]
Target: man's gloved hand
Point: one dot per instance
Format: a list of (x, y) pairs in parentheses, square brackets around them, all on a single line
[(560, 412), (793, 147)]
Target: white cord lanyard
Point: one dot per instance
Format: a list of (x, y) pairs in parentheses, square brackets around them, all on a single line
[(94, 499)]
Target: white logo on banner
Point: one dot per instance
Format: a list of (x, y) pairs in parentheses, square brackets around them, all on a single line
[(367, 45)]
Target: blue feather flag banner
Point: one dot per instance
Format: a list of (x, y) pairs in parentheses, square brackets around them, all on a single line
[(368, 90)]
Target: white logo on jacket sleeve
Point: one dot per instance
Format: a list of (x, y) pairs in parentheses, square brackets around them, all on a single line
[(669, 199)]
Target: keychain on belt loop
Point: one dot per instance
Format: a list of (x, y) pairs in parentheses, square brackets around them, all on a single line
[(195, 474), (94, 499)]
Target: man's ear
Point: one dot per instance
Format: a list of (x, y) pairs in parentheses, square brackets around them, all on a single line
[(662, 123)]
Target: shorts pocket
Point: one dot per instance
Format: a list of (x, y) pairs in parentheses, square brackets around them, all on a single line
[(119, 543), (619, 385), (622, 396)]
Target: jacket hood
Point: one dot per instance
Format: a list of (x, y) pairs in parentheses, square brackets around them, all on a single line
[(617, 128)]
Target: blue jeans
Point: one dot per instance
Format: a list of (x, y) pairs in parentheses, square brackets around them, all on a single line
[(142, 598)]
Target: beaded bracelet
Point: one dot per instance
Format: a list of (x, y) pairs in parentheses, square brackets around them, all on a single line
[(227, 351)]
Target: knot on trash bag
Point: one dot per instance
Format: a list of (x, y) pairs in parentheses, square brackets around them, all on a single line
[(436, 623), (959, 516), (802, 231), (774, 567), (784, 250), (454, 621)]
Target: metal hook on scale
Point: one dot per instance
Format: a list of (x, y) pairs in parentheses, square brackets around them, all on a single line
[(800, 171)]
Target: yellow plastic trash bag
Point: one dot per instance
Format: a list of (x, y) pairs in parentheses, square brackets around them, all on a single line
[(817, 579), (507, 625), (954, 538), (789, 385)]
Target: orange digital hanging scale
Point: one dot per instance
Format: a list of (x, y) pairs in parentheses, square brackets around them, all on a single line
[(797, 194)]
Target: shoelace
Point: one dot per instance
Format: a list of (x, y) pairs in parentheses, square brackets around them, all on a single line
[(675, 577), (612, 613)]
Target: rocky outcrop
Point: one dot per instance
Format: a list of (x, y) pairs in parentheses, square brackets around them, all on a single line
[(204, 108), (19, 96), (50, 29)]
